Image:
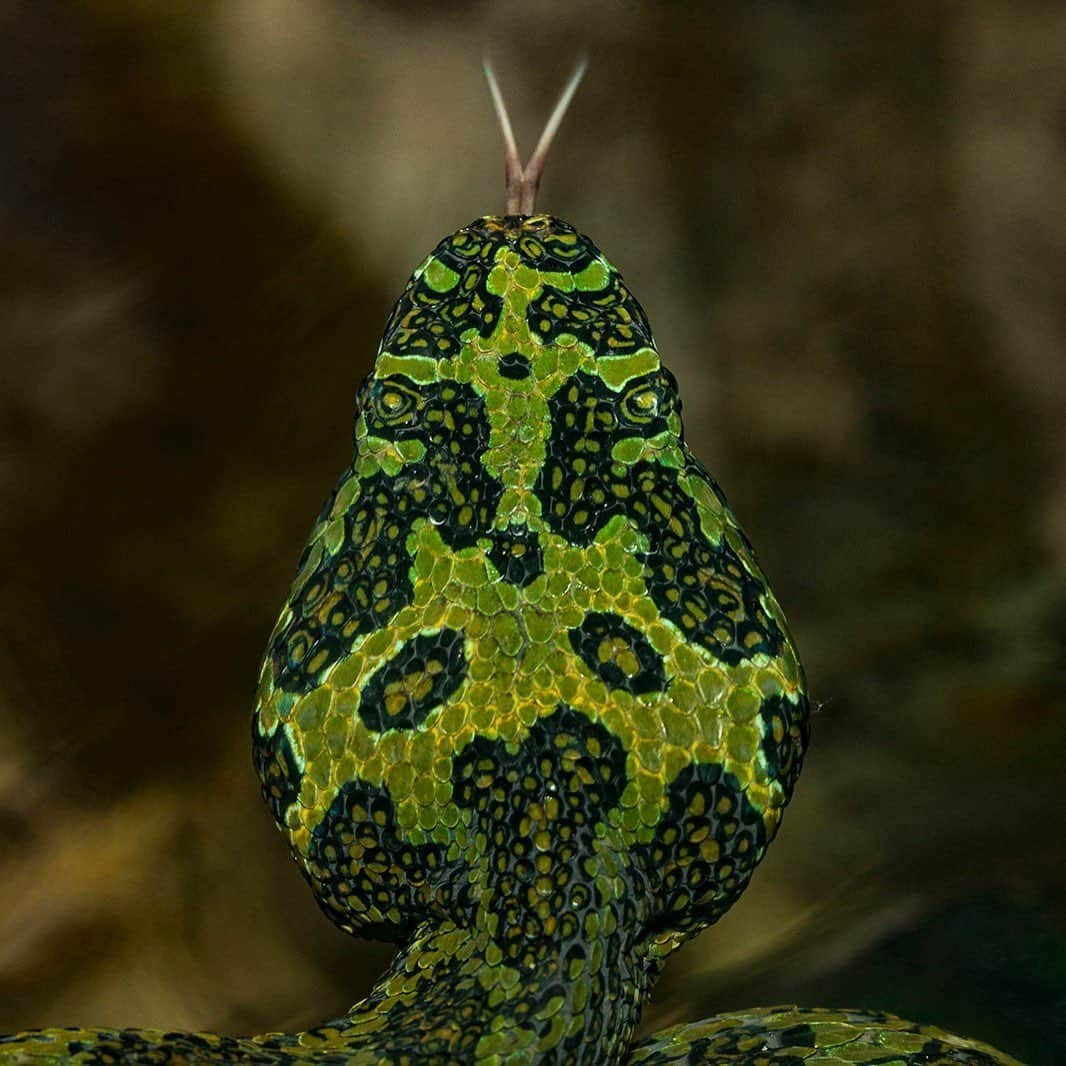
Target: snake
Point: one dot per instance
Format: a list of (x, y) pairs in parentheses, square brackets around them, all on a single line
[(531, 711)]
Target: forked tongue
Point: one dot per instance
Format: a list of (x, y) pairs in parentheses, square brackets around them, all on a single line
[(523, 181)]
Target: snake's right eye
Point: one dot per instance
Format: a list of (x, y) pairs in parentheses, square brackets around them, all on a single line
[(645, 402)]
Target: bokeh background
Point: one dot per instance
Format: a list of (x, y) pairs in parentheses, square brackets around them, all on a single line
[(847, 225)]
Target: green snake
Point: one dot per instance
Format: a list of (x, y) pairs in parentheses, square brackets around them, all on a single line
[(531, 710)]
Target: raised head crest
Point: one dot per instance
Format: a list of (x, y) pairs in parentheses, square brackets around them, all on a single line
[(523, 181)]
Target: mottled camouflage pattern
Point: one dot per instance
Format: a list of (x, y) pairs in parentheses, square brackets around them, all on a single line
[(531, 709)]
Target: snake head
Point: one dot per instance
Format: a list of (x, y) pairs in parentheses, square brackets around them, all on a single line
[(530, 666)]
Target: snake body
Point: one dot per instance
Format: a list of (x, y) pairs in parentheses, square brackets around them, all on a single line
[(531, 710)]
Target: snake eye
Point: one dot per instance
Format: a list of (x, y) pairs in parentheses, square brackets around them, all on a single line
[(392, 403), (644, 402)]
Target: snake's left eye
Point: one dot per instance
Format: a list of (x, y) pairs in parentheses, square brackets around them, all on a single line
[(646, 402), (392, 403)]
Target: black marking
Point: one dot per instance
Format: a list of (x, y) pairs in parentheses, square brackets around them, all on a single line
[(360, 587), (517, 555), (608, 320), (539, 812), (515, 366), (549, 244), (279, 776), (418, 678), (706, 847), (548, 795), (355, 591), (541, 241), (580, 486), (705, 588), (618, 654), (786, 731), (431, 323), (365, 876)]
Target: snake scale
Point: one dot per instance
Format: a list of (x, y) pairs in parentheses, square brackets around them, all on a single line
[(531, 710)]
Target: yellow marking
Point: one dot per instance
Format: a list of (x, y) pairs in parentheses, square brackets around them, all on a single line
[(618, 370), (419, 368)]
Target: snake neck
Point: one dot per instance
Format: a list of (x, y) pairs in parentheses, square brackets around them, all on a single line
[(449, 996)]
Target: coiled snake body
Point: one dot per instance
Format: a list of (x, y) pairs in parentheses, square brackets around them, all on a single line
[(531, 709)]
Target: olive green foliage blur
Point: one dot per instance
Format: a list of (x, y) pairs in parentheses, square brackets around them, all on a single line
[(846, 224)]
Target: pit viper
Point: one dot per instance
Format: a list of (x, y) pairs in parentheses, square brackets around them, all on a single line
[(531, 710)]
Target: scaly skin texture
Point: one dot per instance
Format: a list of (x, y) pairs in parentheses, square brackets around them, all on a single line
[(531, 709)]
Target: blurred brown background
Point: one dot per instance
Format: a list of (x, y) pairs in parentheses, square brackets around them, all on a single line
[(849, 231)]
